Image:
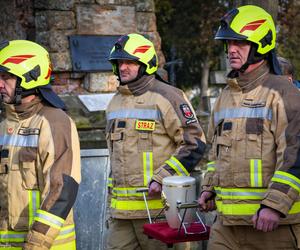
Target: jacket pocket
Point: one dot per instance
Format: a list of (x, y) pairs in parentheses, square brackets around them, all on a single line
[(253, 146), (223, 147), (27, 158), (145, 142)]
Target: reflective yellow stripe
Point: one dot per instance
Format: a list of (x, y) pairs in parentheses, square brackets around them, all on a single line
[(12, 236), (235, 209), (135, 205), (148, 167), (110, 182), (286, 178), (11, 248), (127, 192), (66, 232), (295, 209), (65, 246), (240, 193), (49, 219), (177, 166), (33, 204), (211, 166), (248, 209), (255, 173), (19, 237)]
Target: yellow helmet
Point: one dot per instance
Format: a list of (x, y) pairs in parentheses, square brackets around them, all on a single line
[(26, 60), (31, 64), (137, 48), (250, 23)]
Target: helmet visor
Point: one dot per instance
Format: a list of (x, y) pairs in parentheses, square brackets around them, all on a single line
[(226, 33), (122, 55)]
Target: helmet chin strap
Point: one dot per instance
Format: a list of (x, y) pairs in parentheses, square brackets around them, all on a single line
[(17, 100), (20, 93), (253, 57)]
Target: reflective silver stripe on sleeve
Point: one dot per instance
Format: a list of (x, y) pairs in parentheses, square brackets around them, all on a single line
[(50, 219), (66, 231)]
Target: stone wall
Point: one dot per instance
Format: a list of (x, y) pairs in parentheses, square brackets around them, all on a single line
[(50, 23)]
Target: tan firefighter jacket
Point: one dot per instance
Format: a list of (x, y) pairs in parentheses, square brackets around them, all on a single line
[(39, 176), (255, 157), (152, 132)]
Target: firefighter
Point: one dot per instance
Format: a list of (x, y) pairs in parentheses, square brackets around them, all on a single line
[(288, 69), (254, 174), (40, 157), (152, 132)]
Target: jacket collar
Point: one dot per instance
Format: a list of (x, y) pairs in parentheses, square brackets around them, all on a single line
[(138, 87), (22, 111), (248, 81)]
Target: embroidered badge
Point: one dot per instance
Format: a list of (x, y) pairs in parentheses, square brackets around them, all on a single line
[(186, 111), (188, 114), (250, 103), (29, 131), (145, 125)]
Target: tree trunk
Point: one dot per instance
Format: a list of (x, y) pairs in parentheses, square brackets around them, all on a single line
[(270, 6), (204, 100)]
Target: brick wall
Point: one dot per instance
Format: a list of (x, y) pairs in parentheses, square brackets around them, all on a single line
[(51, 22)]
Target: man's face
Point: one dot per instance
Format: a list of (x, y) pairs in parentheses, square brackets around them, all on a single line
[(128, 70), (7, 87), (238, 52)]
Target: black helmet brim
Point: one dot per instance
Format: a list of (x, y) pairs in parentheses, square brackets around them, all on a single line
[(122, 55), (226, 33)]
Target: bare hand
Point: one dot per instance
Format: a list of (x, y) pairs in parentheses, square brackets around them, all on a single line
[(154, 189), (206, 201), (266, 220)]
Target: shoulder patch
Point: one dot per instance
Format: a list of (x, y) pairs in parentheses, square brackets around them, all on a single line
[(186, 111)]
